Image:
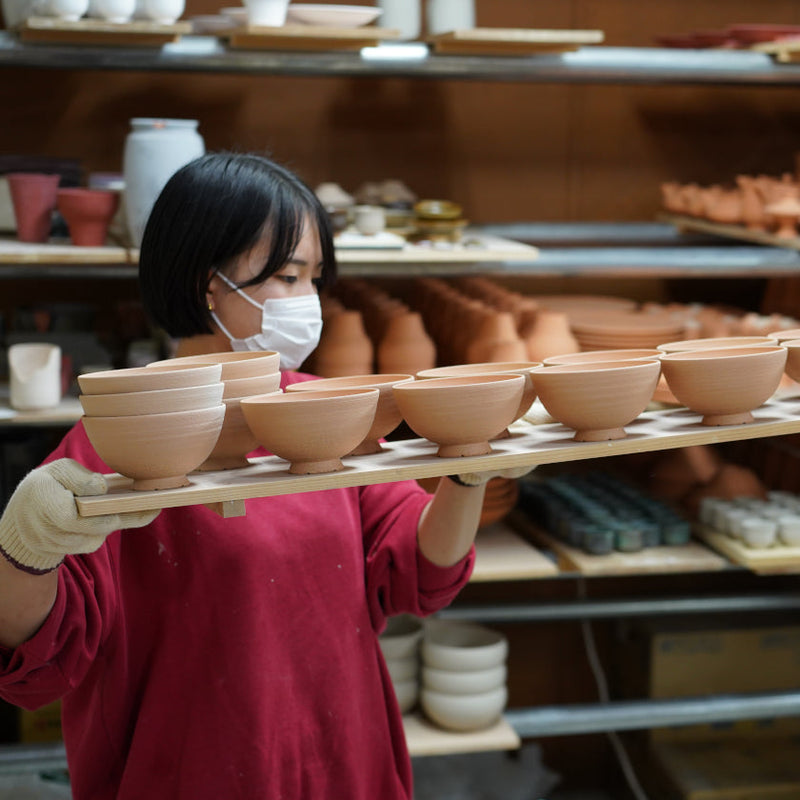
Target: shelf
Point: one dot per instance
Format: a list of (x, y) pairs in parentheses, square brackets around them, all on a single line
[(737, 232), (610, 65), (67, 413), (502, 555), (425, 739), (528, 445)]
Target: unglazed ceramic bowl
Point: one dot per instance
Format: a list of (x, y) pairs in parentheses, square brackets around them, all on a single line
[(235, 440), (144, 379), (403, 669), (463, 712), (247, 387), (597, 400), (387, 414), (792, 358), (156, 450), (714, 342), (401, 637), (235, 365), (461, 414), (462, 646), (491, 368), (725, 384), (473, 681), (595, 356), (154, 401), (787, 335), (311, 430)]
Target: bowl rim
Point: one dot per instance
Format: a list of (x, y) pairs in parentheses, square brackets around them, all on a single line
[(725, 353), (642, 364), (459, 381)]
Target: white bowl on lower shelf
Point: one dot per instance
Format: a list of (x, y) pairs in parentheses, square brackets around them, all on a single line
[(463, 712), (462, 646), (407, 694), (473, 681), (402, 637)]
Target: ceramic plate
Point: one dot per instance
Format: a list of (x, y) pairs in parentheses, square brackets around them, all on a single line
[(331, 15)]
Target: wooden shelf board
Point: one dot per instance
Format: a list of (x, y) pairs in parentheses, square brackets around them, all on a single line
[(67, 412), (96, 31), (307, 37), (512, 41), (785, 51), (416, 458), (777, 560), (425, 739), (740, 232), (691, 557), (502, 555), (13, 251)]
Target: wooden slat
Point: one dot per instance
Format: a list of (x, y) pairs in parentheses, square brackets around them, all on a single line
[(739, 232), (416, 458), (425, 739), (308, 37), (502, 555), (512, 41), (13, 251), (783, 51), (777, 560), (97, 31)]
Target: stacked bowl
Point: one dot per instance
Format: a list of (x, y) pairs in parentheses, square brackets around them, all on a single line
[(153, 425), (243, 374), (463, 675), (399, 644)]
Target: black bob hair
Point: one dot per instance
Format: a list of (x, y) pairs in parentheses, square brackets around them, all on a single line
[(210, 212)]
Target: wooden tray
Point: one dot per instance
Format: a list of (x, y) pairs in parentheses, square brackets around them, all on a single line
[(97, 31), (426, 739), (502, 555), (777, 560), (308, 37), (784, 52), (416, 458), (740, 232), (512, 41)]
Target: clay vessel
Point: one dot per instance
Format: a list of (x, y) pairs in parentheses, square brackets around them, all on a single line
[(345, 348), (34, 375), (33, 195), (142, 379), (387, 414), (235, 365), (88, 213), (785, 335), (153, 401), (714, 343), (792, 358), (405, 346), (497, 340), (753, 215), (597, 400), (311, 430), (786, 213), (156, 450), (461, 414), (594, 356), (247, 387), (724, 384), (550, 335)]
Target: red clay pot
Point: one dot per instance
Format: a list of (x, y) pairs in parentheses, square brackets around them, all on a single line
[(33, 195), (88, 213)]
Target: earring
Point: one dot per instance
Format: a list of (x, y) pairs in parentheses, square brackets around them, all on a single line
[(210, 307)]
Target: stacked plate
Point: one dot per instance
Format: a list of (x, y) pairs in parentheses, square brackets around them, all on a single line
[(607, 330)]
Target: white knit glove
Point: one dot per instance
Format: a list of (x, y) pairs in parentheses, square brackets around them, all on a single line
[(479, 478), (41, 524)]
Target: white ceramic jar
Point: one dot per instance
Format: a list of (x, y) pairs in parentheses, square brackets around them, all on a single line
[(401, 15), (35, 375), (154, 150), (443, 16)]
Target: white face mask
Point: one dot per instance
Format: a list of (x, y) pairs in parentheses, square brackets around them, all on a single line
[(290, 325)]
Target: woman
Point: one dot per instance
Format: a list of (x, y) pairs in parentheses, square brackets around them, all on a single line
[(201, 657)]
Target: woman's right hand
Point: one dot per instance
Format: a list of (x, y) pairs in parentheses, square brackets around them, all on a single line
[(41, 523)]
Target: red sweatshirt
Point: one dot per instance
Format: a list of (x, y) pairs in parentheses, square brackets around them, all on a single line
[(203, 657)]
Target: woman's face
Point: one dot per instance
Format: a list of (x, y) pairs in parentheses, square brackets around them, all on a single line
[(297, 277)]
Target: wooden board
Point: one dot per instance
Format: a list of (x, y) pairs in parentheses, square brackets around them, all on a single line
[(512, 41), (785, 51), (502, 555), (308, 37), (416, 458), (777, 560), (739, 232), (66, 413), (13, 251), (691, 557), (98, 31), (425, 739)]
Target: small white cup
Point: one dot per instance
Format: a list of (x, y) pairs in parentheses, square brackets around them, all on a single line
[(35, 376), (266, 13), (443, 16), (402, 15), (113, 10), (164, 12), (369, 220), (68, 10)]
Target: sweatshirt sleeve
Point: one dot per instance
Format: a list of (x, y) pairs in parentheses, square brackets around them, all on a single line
[(399, 578)]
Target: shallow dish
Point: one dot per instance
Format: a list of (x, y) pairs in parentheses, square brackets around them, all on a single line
[(337, 16)]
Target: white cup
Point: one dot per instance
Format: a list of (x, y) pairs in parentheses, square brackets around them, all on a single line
[(443, 16), (112, 10), (269, 13), (401, 15), (68, 10), (164, 12), (35, 376), (369, 220)]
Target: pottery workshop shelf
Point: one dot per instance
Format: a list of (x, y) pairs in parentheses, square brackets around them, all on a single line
[(502, 555), (415, 458), (775, 560), (737, 232), (13, 251), (67, 413), (425, 739)]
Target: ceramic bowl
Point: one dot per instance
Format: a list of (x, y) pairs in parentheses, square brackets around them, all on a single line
[(785, 336), (156, 450), (597, 400), (403, 669), (595, 356), (155, 401), (714, 342), (387, 414), (235, 440), (311, 430), (463, 712), (407, 694), (342, 16), (234, 364), (792, 358), (472, 681), (725, 384), (401, 638), (491, 368), (144, 379), (461, 414), (461, 646), (237, 388)]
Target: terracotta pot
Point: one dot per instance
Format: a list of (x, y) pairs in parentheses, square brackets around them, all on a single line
[(88, 213), (345, 348), (597, 400), (33, 196), (405, 346), (497, 340), (387, 414), (461, 414), (550, 335), (725, 384), (311, 430)]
